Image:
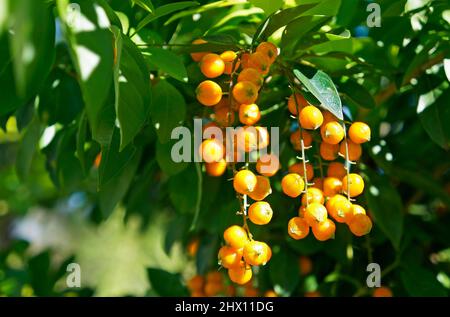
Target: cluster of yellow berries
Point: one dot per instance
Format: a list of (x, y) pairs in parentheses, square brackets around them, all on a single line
[(330, 196)]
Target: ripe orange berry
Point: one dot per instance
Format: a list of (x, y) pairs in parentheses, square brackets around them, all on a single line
[(354, 184), (354, 150), (360, 225), (382, 291), (214, 277), (332, 132), (313, 195), (229, 59), (269, 50), (295, 139), (260, 213), (212, 289), (256, 253), (270, 293), (240, 275), (223, 116), (268, 165), (305, 265), (235, 236), (355, 210), (340, 208), (192, 247), (216, 168), (262, 188), (328, 117), (244, 182), (249, 114), (197, 294), (298, 228), (197, 56), (208, 93), (230, 257), (336, 169), (196, 283), (259, 62), (211, 130), (331, 186), (324, 230), (230, 291), (245, 57), (315, 213), (301, 103), (298, 169), (251, 292), (211, 150), (245, 92), (98, 160), (251, 75), (212, 65), (311, 118), (292, 185), (301, 211), (318, 183), (329, 152), (313, 294), (359, 132)]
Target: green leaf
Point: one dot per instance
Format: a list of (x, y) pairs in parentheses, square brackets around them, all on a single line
[(167, 110), (284, 17), (432, 113), (269, 6), (323, 7), (356, 94), (420, 282), (386, 206), (202, 9), (9, 99), (165, 161), (133, 94), (32, 44), (147, 5), (166, 284), (163, 11), (81, 140), (322, 87), (183, 190), (168, 62), (91, 47), (27, 148), (284, 271)]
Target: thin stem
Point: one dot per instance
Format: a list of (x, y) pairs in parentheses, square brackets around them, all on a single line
[(347, 162)]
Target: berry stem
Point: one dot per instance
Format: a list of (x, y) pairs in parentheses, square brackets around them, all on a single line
[(347, 162)]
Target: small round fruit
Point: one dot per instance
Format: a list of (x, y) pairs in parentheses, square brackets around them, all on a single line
[(244, 182), (299, 102), (315, 213), (269, 50), (355, 210), (249, 114), (212, 289), (259, 62), (223, 116), (332, 132), (305, 265), (268, 165), (359, 132), (251, 291), (336, 169), (235, 236), (262, 188), (216, 169), (260, 213), (240, 275), (245, 57), (311, 118), (292, 185), (197, 56), (354, 150), (230, 257), (329, 152), (340, 208), (270, 293), (212, 65), (298, 168), (211, 150), (245, 92), (360, 225), (214, 277), (324, 230), (251, 75), (196, 283), (255, 253), (313, 195), (331, 186), (382, 291), (208, 93), (298, 228), (353, 184), (301, 211), (229, 58), (295, 139)]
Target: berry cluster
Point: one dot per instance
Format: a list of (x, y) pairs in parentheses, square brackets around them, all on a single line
[(246, 71), (334, 194)]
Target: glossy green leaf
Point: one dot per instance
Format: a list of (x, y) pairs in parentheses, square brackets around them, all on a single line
[(167, 62), (165, 161), (28, 147), (166, 284), (419, 281), (147, 5), (356, 94), (269, 6), (322, 87), (183, 190), (81, 140), (284, 271)]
